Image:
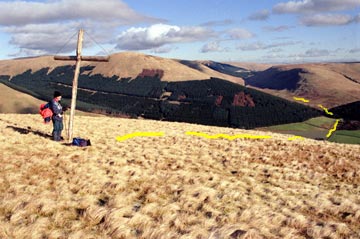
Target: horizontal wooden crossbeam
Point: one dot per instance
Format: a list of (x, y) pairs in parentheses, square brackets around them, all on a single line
[(83, 58)]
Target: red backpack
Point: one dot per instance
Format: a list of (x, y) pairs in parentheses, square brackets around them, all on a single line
[(46, 112)]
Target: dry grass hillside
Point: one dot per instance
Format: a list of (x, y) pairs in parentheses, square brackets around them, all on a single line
[(12, 101), (204, 68), (131, 64), (175, 186), (329, 84), (124, 65), (251, 66)]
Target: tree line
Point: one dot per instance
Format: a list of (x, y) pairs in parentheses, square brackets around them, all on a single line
[(194, 101)]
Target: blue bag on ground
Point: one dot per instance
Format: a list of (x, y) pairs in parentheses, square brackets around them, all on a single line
[(81, 142)]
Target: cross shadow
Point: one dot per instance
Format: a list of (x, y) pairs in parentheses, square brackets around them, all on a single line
[(29, 130)]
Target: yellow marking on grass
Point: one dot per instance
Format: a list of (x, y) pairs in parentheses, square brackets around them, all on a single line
[(296, 137), (226, 136), (326, 110), (140, 134), (301, 99), (331, 131)]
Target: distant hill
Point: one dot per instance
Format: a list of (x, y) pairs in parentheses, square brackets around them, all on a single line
[(210, 101), (220, 70), (250, 66), (330, 84), (12, 101), (122, 65)]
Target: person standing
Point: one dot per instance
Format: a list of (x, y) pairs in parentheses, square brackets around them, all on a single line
[(57, 117)]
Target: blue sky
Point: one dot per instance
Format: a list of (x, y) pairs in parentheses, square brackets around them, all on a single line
[(271, 31)]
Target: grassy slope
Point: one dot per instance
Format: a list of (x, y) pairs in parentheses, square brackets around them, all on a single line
[(318, 128), (211, 72), (311, 124), (341, 80), (12, 101), (124, 64), (176, 186), (346, 136), (313, 128)]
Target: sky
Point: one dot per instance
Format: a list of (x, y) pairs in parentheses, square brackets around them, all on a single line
[(263, 31)]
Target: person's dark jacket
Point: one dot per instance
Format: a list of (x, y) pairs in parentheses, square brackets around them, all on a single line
[(57, 110)]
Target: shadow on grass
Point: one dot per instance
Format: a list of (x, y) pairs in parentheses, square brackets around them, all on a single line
[(36, 132), (28, 130)]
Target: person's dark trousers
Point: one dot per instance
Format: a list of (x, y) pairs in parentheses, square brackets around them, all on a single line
[(58, 127)]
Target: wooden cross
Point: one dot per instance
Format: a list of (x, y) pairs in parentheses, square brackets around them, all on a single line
[(78, 58)]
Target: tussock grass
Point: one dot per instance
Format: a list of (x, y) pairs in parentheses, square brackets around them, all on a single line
[(177, 186)]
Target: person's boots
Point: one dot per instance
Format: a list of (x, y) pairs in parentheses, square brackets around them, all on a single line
[(56, 136)]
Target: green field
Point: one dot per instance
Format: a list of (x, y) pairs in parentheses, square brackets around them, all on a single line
[(317, 128), (317, 124), (346, 136)]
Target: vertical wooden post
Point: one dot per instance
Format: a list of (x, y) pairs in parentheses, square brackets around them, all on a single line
[(75, 84), (78, 59)]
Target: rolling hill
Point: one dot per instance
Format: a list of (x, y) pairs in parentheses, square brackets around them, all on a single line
[(211, 102), (139, 85), (13, 101), (112, 89), (250, 66), (122, 65), (174, 186), (328, 84), (219, 70)]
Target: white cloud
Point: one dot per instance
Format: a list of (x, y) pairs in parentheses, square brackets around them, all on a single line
[(217, 23), (354, 50), (44, 27), (311, 6), (260, 15), (320, 12), (212, 47), (239, 33), (56, 38), (28, 52), (262, 46), (252, 46), (276, 50), (159, 35), (316, 53), (277, 29), (356, 19), (313, 54), (326, 19), (163, 49), (42, 38), (24, 12)]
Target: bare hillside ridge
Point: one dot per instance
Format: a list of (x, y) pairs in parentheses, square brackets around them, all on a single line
[(123, 65), (329, 84)]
